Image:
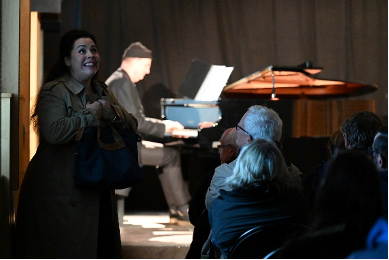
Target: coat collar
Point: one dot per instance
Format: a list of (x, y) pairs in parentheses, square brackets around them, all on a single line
[(76, 87), (72, 84)]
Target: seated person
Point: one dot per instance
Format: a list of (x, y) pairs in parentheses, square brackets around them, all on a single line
[(359, 130), (347, 205), (263, 192), (259, 122), (198, 214), (135, 65), (228, 151)]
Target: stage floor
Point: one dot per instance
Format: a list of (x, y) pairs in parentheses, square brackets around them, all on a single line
[(150, 236)]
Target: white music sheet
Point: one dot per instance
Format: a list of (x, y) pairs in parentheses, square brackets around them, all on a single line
[(214, 83)]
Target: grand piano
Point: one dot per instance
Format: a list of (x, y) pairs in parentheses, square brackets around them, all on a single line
[(311, 108), (284, 89)]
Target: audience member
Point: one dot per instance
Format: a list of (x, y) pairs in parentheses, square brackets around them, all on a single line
[(263, 192), (55, 219), (258, 122), (135, 65), (228, 151), (359, 130), (347, 206), (380, 158), (198, 214)]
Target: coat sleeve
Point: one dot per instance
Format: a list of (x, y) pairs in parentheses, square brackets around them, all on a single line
[(128, 120), (61, 114), (129, 98)]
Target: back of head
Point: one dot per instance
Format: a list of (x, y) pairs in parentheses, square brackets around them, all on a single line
[(136, 50), (65, 47), (380, 145), (263, 123), (349, 193), (260, 162), (229, 150), (229, 136), (360, 129)]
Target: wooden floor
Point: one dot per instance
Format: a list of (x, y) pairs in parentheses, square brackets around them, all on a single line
[(150, 236)]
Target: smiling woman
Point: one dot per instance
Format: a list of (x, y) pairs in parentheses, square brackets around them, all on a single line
[(55, 219), (84, 61)]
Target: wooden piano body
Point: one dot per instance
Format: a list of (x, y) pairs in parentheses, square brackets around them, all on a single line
[(308, 105)]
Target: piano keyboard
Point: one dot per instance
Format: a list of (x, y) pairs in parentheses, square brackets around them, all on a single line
[(189, 133)]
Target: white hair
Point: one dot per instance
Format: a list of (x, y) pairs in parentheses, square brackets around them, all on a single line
[(263, 123)]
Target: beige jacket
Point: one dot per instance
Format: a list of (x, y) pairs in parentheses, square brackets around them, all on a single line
[(54, 218)]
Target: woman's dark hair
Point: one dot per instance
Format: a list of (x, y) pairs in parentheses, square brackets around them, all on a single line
[(349, 195), (59, 68), (65, 47)]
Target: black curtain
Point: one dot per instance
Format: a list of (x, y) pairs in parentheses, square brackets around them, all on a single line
[(348, 38)]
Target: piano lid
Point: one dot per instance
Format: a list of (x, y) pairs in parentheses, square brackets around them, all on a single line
[(293, 82)]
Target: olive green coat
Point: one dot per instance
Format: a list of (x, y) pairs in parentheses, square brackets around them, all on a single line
[(54, 218)]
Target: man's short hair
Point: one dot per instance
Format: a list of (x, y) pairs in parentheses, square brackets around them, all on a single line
[(263, 123), (361, 128)]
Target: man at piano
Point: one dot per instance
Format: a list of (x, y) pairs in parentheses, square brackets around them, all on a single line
[(135, 65)]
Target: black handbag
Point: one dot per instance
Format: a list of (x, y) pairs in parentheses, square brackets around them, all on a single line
[(107, 158)]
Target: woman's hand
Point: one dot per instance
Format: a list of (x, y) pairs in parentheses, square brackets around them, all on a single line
[(108, 111), (95, 106)]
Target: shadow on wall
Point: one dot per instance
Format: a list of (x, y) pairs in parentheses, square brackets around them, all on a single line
[(151, 99)]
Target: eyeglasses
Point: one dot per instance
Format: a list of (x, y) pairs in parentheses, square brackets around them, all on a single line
[(219, 147), (241, 128)]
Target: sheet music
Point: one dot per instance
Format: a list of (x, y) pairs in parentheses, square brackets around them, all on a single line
[(214, 82)]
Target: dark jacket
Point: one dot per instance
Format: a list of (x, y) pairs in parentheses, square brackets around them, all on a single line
[(239, 210)]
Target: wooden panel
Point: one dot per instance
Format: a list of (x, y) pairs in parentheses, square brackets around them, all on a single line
[(323, 117)]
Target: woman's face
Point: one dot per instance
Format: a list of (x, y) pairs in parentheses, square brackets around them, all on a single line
[(84, 60)]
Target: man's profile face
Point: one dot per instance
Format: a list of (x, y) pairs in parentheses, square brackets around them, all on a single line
[(242, 138), (226, 150), (139, 68)]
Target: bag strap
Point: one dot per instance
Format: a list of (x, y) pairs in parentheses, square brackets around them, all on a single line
[(118, 144)]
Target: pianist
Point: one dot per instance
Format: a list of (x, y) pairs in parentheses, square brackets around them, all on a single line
[(135, 65)]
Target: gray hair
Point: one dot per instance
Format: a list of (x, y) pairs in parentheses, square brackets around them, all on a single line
[(263, 123)]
